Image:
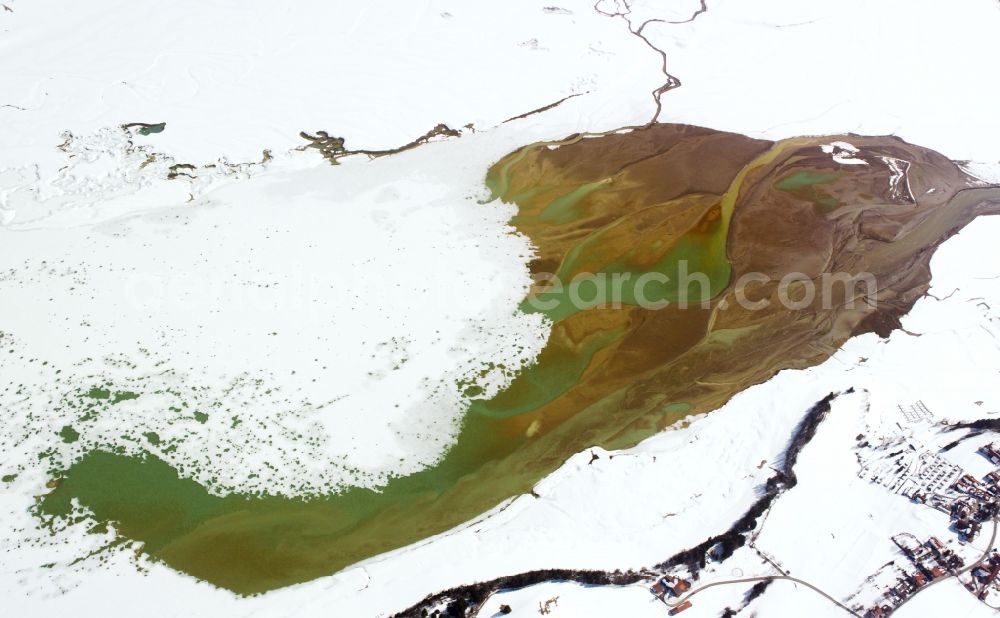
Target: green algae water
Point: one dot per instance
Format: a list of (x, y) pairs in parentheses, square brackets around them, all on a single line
[(806, 184), (556, 371), (254, 543), (561, 209), (692, 269), (805, 178), (251, 544), (606, 377)]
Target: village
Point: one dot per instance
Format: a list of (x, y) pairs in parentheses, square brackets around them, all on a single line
[(904, 465), (970, 503)]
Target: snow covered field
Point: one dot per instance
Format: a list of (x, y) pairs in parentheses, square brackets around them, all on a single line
[(315, 309), (299, 293)]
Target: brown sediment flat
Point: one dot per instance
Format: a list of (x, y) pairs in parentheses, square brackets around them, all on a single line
[(637, 202), (795, 210)]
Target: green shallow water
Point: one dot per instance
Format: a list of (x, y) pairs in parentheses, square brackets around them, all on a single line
[(252, 544), (255, 543), (605, 378), (805, 178), (806, 185)]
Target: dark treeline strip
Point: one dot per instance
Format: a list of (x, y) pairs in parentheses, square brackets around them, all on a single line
[(983, 424), (722, 546)]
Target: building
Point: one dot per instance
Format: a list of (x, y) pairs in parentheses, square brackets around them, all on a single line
[(681, 586), (683, 606), (974, 529), (990, 452), (985, 490), (994, 572), (962, 509)]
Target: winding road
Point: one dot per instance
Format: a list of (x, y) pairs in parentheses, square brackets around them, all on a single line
[(764, 578)]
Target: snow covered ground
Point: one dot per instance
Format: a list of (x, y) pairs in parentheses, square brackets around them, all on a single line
[(779, 68), (263, 276)]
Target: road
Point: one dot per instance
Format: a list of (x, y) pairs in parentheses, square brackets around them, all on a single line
[(753, 580), (764, 578)]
